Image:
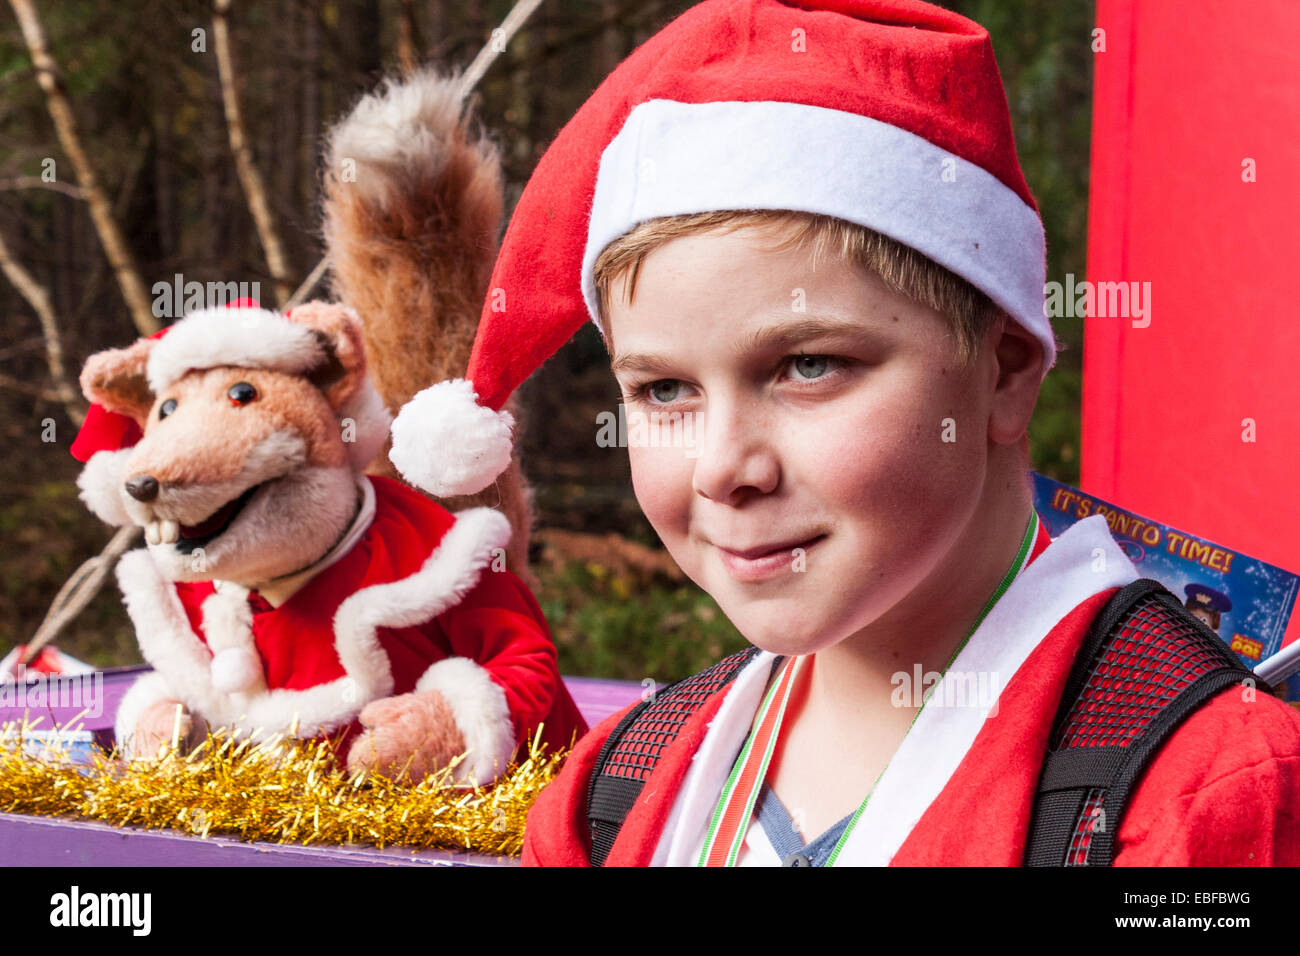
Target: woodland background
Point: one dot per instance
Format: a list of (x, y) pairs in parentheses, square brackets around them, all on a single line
[(150, 117)]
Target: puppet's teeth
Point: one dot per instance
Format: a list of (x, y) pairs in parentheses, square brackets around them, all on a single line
[(152, 533), (169, 531)]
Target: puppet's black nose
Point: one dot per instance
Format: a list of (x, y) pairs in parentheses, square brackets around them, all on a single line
[(143, 487)]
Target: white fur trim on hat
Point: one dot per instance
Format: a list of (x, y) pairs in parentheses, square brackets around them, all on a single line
[(672, 159), (448, 444), (482, 715), (250, 338), (101, 483)]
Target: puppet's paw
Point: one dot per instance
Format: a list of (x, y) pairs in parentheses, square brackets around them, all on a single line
[(162, 722), (408, 736)]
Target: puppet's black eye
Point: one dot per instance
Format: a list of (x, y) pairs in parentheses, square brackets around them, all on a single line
[(241, 393), (166, 408)]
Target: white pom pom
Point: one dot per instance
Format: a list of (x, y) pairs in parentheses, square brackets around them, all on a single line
[(235, 669), (101, 484), (448, 444)]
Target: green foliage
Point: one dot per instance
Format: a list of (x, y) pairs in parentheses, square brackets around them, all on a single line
[(605, 625), (1054, 432)]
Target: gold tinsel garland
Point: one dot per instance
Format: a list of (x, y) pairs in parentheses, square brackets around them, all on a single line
[(281, 790)]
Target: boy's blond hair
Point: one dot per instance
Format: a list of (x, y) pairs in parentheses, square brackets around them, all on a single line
[(904, 270)]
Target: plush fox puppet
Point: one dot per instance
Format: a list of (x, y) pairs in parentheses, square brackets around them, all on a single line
[(283, 589)]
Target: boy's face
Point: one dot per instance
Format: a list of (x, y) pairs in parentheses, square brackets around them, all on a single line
[(857, 466)]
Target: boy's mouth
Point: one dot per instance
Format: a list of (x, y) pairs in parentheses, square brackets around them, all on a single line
[(187, 537), (765, 561), (767, 550)]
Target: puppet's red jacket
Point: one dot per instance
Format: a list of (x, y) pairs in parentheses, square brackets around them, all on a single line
[(414, 604)]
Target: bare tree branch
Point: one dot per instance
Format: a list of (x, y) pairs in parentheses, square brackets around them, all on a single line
[(101, 211), (249, 176), (78, 590), (309, 283), (35, 182), (408, 38), (39, 298), (26, 345), (90, 286), (494, 47), (27, 388)]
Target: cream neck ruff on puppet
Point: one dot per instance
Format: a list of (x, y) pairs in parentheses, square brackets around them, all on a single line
[(278, 590)]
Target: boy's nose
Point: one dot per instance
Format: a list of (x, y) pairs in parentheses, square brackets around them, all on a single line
[(735, 454)]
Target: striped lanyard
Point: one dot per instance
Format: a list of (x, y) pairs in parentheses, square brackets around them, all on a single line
[(735, 807)]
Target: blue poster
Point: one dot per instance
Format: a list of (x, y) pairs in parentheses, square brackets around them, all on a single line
[(1245, 600)]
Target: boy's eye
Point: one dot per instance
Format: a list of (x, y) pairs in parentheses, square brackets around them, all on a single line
[(166, 408), (664, 391), (802, 368), (809, 368)]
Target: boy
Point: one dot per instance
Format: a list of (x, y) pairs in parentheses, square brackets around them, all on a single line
[(804, 229)]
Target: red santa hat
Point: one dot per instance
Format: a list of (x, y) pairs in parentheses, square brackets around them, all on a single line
[(885, 113)]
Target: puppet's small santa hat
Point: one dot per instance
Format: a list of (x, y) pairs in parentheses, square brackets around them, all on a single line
[(885, 113)]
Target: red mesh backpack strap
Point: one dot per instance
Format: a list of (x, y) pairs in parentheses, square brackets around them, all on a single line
[(632, 750), (1146, 665)]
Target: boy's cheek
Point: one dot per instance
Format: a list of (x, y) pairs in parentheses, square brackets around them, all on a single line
[(899, 477), (661, 481)]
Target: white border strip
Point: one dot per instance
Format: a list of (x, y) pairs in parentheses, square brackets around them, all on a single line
[(675, 158)]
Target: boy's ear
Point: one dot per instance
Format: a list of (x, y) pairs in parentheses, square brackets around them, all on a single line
[(115, 378), (1018, 360), (338, 329)]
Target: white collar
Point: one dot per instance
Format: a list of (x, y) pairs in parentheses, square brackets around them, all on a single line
[(711, 765), (278, 590)]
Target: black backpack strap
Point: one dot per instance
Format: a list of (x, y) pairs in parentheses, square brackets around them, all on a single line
[(633, 748), (1145, 666)]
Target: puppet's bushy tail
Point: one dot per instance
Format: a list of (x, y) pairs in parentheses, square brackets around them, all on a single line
[(412, 216)]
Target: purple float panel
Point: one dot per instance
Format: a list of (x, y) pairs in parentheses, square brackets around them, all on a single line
[(49, 841), (598, 698), (52, 841), (56, 701)]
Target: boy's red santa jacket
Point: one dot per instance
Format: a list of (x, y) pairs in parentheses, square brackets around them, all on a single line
[(414, 604), (1224, 789)]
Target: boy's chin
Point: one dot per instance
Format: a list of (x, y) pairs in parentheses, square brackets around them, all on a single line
[(785, 648), (782, 641)]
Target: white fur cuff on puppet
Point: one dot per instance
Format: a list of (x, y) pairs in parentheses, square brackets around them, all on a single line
[(143, 694), (482, 714)]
